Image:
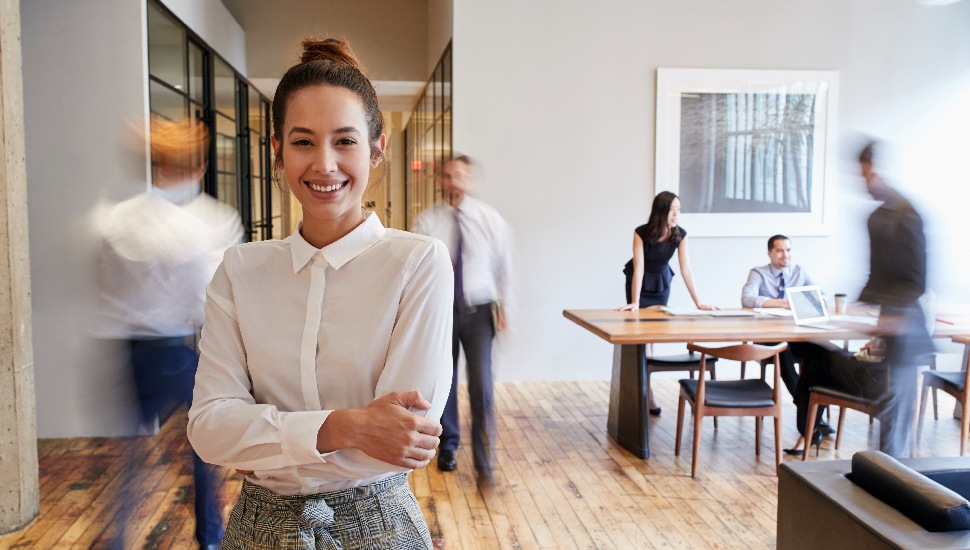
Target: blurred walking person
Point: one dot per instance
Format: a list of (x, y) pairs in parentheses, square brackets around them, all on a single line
[(159, 251), (897, 279), (479, 241)]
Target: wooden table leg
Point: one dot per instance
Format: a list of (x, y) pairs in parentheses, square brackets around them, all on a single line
[(629, 390)]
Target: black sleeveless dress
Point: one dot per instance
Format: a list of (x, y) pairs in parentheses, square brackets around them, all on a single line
[(657, 273)]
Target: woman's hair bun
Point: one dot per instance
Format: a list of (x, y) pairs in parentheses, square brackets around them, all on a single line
[(329, 49)]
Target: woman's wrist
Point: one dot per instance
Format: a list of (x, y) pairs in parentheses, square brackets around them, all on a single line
[(333, 431)]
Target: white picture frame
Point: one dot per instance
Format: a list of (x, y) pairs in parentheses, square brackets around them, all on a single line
[(750, 152)]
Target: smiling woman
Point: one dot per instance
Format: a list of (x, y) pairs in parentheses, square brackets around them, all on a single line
[(302, 335), (326, 157)]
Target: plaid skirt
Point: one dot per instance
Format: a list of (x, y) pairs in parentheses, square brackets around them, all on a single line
[(382, 515)]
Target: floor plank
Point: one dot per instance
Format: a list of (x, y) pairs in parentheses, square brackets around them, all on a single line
[(560, 481)]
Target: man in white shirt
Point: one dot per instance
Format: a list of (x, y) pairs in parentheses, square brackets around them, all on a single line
[(478, 240), (159, 251)]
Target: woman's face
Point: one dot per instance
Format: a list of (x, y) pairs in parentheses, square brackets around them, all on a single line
[(674, 213), (326, 157)]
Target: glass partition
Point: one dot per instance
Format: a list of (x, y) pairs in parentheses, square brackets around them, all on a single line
[(428, 141), (188, 79)]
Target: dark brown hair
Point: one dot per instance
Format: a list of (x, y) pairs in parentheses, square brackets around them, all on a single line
[(657, 222), (771, 241), (332, 62)]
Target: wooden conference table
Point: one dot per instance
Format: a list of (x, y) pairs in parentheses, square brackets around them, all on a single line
[(629, 331)]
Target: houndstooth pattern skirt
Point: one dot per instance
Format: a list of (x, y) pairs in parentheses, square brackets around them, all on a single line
[(377, 516)]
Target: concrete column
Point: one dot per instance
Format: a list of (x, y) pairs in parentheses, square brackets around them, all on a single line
[(19, 486)]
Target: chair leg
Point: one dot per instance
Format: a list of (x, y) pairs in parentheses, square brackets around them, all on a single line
[(809, 425), (964, 426), (714, 377), (922, 411), (697, 440), (936, 407), (778, 442), (757, 436), (744, 366), (680, 424), (838, 435)]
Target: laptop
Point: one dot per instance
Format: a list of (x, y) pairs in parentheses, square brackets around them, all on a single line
[(808, 307)]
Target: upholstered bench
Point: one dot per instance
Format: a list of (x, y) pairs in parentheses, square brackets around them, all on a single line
[(835, 504)]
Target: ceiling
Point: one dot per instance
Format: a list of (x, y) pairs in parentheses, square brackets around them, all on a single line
[(389, 36)]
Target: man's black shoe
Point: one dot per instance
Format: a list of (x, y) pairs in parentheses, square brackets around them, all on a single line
[(446, 460)]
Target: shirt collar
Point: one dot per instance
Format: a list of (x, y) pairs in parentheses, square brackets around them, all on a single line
[(343, 250), (776, 272), (468, 204)]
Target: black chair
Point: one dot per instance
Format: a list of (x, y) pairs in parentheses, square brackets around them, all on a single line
[(689, 362), (822, 396), (953, 383), (731, 397)]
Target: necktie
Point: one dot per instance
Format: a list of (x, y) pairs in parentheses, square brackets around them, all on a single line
[(781, 286), (459, 290)]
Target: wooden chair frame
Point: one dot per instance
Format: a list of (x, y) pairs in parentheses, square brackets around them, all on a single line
[(817, 400), (740, 352), (962, 397)]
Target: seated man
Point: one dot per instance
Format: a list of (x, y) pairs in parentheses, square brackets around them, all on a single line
[(766, 288)]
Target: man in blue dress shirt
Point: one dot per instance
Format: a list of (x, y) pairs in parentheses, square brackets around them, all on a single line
[(766, 288)]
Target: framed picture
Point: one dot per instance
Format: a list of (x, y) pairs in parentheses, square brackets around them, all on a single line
[(748, 152)]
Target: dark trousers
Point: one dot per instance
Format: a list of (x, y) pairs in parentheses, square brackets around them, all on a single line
[(164, 375), (825, 364), (787, 361), (473, 332)]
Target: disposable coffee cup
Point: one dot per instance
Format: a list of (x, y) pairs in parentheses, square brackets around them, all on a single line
[(839, 304)]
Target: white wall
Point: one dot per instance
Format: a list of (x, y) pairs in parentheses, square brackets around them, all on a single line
[(82, 85), (85, 80), (213, 23), (557, 101)]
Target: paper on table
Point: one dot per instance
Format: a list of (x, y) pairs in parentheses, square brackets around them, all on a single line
[(778, 311), (708, 313)]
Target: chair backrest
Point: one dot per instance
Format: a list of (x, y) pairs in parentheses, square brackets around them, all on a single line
[(740, 352)]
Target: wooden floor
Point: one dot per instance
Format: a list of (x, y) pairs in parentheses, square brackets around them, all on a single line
[(560, 481)]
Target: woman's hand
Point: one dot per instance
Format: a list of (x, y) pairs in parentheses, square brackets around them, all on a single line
[(385, 429), (629, 307), (707, 307)]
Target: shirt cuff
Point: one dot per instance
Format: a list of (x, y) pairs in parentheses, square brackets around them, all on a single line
[(760, 301), (298, 437)]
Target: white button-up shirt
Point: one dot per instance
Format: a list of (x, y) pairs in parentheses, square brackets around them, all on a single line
[(486, 247), (292, 333), (159, 251), (764, 283)]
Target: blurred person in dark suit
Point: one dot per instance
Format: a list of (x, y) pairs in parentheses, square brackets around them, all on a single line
[(897, 279)]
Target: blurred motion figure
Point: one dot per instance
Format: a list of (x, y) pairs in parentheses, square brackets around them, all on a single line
[(479, 241), (897, 279), (159, 251)]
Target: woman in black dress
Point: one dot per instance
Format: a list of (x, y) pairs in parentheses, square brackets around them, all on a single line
[(648, 274)]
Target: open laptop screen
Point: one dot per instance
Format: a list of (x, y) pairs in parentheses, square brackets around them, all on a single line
[(807, 305)]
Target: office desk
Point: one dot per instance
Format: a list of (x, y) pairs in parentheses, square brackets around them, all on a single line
[(628, 331)]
